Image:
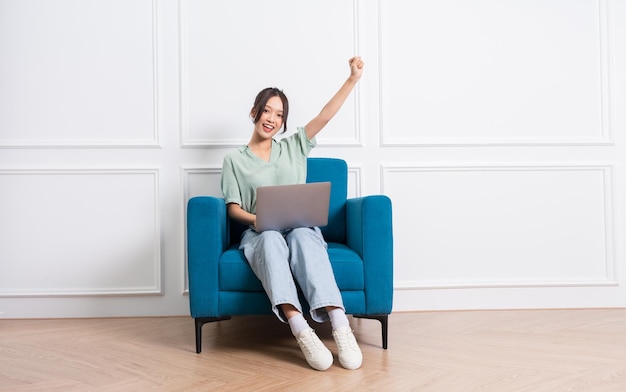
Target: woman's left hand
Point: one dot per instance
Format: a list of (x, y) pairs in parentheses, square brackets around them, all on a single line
[(356, 67)]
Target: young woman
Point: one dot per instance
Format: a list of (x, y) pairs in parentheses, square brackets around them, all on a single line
[(287, 260)]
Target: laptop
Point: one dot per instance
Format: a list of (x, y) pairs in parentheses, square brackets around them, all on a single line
[(283, 207)]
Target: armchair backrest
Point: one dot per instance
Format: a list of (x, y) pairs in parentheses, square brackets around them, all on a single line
[(321, 170), (335, 171)]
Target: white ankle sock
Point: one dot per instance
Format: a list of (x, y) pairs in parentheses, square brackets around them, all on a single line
[(298, 324), (338, 318)]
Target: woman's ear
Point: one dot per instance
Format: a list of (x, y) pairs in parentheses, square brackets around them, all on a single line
[(252, 115)]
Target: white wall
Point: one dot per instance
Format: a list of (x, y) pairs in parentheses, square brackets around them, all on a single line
[(496, 127)]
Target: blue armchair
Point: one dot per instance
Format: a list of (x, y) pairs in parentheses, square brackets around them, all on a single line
[(360, 248)]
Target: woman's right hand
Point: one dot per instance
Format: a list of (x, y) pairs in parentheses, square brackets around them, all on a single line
[(240, 215)]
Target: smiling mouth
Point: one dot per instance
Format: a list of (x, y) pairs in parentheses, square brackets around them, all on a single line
[(268, 128)]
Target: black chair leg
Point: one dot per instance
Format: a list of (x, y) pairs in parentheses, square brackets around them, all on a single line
[(384, 323), (200, 321)]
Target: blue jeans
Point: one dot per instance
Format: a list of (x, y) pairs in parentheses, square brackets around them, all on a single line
[(282, 259)]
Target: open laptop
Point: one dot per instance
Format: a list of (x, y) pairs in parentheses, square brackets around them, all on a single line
[(284, 207)]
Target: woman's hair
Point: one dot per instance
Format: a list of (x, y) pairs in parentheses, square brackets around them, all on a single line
[(261, 100)]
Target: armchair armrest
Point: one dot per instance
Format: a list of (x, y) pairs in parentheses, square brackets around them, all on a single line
[(207, 238), (370, 234)]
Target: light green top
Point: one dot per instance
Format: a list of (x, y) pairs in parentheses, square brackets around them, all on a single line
[(243, 171)]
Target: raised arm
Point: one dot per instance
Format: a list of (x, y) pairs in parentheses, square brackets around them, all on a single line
[(332, 107)]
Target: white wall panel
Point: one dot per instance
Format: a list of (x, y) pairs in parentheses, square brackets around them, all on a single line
[(78, 73), (486, 226), (495, 72), (79, 232), (228, 56)]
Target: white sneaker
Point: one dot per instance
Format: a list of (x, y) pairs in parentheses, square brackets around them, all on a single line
[(316, 354), (350, 355)]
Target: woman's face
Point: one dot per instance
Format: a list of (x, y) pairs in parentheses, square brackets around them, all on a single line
[(271, 120)]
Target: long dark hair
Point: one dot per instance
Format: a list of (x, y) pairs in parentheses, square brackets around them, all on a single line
[(261, 100)]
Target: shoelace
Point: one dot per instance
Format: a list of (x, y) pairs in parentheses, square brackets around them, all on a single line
[(310, 343), (345, 341)]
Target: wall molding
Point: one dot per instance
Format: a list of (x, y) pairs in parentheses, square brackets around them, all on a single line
[(186, 141), (154, 142), (186, 171), (606, 121), (607, 171), (156, 289)]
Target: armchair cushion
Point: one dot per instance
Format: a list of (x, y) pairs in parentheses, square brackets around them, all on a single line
[(235, 273)]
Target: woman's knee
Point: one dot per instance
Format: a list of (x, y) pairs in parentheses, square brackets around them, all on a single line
[(271, 236), (255, 244), (306, 235), (272, 241)]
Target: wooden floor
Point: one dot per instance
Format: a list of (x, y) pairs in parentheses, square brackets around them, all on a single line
[(550, 350)]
